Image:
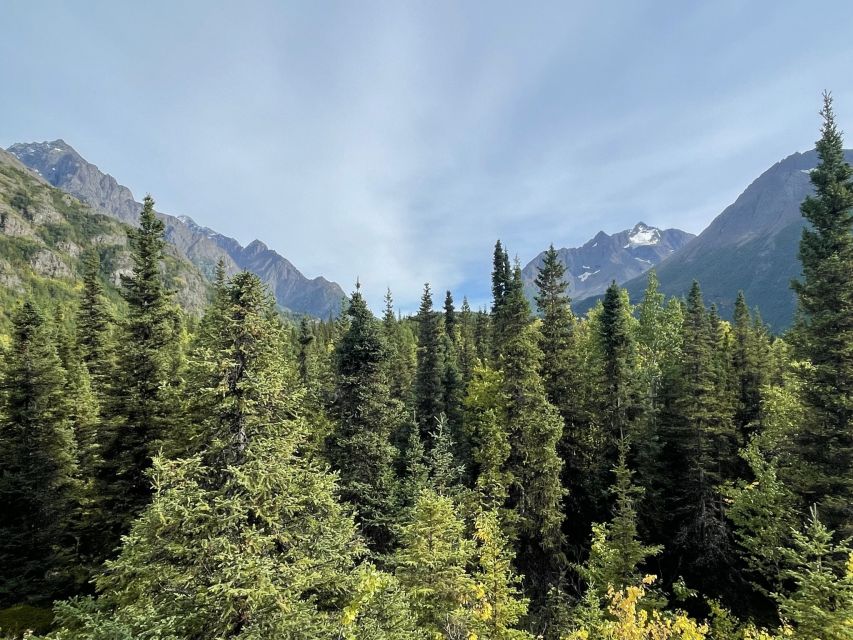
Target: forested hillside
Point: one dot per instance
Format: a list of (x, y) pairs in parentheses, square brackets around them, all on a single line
[(648, 471)]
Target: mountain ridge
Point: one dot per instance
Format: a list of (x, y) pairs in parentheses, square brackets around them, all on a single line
[(751, 245), (62, 166), (620, 256)]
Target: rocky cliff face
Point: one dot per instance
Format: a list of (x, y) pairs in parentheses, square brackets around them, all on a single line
[(622, 256), (61, 166)]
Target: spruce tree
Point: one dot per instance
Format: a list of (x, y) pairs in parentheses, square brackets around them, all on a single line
[(501, 284), (429, 390), (94, 327), (534, 428), (619, 403), (556, 332), (40, 489), (699, 455), (824, 332), (501, 605), (245, 539), (432, 564), (142, 411), (360, 446)]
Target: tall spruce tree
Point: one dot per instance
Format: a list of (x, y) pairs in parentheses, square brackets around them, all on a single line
[(824, 333), (556, 332), (620, 403), (40, 489), (94, 327), (700, 446), (142, 412), (501, 284), (429, 390), (360, 446), (535, 429)]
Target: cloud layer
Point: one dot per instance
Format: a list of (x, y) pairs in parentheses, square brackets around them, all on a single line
[(394, 142)]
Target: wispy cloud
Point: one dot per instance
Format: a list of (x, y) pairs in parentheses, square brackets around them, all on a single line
[(395, 142)]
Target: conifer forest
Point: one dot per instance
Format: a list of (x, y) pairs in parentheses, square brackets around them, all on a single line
[(648, 470)]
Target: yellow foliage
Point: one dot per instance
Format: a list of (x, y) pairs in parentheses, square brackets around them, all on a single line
[(629, 621)]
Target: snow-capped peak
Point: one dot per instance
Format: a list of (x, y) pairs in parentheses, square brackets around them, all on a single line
[(643, 235)]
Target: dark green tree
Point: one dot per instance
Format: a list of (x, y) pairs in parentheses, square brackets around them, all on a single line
[(143, 411), (360, 446), (556, 332), (429, 390), (94, 327), (699, 454), (40, 489), (824, 333)]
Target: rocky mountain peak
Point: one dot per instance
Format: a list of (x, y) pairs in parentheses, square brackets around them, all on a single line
[(621, 256), (60, 165)]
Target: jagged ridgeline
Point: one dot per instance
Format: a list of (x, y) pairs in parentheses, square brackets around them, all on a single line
[(44, 234), (60, 165)]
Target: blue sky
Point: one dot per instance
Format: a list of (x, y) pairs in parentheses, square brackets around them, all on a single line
[(395, 141)]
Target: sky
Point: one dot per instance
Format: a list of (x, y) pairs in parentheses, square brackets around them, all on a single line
[(394, 142)]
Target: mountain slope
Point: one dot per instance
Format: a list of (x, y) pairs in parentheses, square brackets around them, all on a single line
[(43, 233), (752, 245), (591, 268), (59, 164)]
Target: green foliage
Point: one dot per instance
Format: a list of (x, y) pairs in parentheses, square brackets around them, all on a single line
[(824, 331), (431, 564), (39, 480), (820, 602), (246, 538), (499, 605), (143, 408), (429, 390), (16, 621), (367, 417)]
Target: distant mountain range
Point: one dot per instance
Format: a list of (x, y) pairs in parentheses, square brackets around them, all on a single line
[(622, 256), (751, 246), (61, 166)]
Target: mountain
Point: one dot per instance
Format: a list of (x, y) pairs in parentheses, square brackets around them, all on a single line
[(591, 268), (752, 245), (43, 234), (60, 165)]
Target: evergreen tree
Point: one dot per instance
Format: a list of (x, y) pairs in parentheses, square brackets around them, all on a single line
[(360, 447), (820, 602), (432, 566), (39, 482), (617, 551), (143, 407), (94, 322), (750, 366), (245, 539), (824, 332), (617, 344), (501, 604), (556, 333), (501, 285), (486, 427), (467, 342), (699, 450), (534, 428), (450, 320), (429, 391), (305, 339)]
